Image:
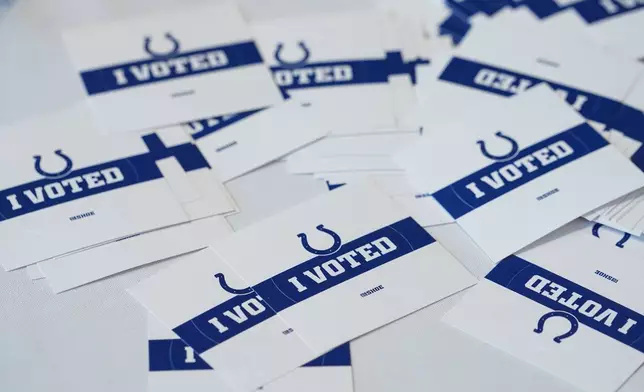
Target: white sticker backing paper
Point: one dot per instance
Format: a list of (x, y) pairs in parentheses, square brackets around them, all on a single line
[(237, 144)]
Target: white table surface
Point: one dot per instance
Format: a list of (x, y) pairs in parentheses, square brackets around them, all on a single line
[(94, 338)]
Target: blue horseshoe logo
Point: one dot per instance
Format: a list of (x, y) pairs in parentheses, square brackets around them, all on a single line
[(574, 324), (148, 47), (619, 244), (292, 64), (222, 282), (53, 175), (337, 242), (514, 148)]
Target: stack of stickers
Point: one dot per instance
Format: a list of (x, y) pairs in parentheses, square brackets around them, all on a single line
[(280, 293), (137, 173), (524, 132), (532, 120), (614, 24), (570, 305)]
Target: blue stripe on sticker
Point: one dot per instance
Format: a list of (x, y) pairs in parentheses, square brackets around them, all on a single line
[(323, 74), (301, 282), (96, 179), (153, 70), (499, 178), (569, 300), (174, 355)]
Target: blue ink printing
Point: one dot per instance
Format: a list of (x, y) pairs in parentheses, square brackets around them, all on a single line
[(515, 168), (578, 304), (302, 281)]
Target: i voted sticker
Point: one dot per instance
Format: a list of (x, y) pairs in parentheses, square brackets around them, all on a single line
[(338, 259), (571, 306), (72, 191), (171, 68)]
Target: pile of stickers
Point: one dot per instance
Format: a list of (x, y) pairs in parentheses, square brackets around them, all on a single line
[(518, 123)]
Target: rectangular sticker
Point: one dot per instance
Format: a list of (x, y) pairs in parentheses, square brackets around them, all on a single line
[(237, 144), (170, 68)]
